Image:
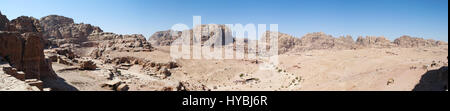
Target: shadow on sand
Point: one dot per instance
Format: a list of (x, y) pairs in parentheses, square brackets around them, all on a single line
[(58, 84), (434, 80)]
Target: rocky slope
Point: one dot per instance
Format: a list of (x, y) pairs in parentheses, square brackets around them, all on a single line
[(208, 34), (310, 41), (60, 30)]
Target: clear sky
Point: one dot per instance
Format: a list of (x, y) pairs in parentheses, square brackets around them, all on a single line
[(389, 18)]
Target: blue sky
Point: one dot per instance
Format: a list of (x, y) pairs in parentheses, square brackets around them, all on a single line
[(389, 18)]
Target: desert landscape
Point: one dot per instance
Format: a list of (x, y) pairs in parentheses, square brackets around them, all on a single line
[(54, 53)]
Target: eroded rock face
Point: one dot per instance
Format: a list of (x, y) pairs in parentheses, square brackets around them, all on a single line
[(32, 54), (3, 22), (207, 35), (26, 24), (285, 42), (23, 48), (164, 38), (375, 42), (408, 42), (108, 42), (61, 30), (88, 65), (320, 40), (11, 48)]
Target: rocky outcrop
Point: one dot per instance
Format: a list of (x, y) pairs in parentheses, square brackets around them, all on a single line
[(186, 86), (320, 40), (164, 38), (285, 42), (208, 35), (108, 42), (26, 24), (408, 42), (88, 65), (60, 30), (23, 48), (3, 22), (374, 42)]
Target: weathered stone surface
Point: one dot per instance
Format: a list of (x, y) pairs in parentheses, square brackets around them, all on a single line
[(186, 86), (12, 47), (88, 65), (108, 42), (408, 42), (320, 40), (24, 24), (374, 42), (115, 85), (3, 22), (164, 38), (23, 48), (33, 55), (9, 83), (206, 35), (60, 30), (285, 42)]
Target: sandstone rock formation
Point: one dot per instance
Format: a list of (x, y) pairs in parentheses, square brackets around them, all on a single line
[(3, 22), (107, 42), (208, 34), (61, 30), (88, 65), (320, 40), (375, 42), (24, 24), (408, 42), (164, 38), (23, 48)]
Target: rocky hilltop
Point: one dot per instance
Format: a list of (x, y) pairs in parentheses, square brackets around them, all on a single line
[(310, 41), (60, 30), (209, 35)]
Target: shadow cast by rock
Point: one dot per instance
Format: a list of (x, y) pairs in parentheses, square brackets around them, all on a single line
[(434, 80), (58, 84)]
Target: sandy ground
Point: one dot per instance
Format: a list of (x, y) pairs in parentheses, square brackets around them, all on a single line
[(390, 69)]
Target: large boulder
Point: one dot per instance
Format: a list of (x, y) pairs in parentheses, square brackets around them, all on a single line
[(88, 65)]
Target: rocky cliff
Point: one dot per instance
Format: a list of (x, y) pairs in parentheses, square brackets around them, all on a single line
[(22, 47), (60, 30)]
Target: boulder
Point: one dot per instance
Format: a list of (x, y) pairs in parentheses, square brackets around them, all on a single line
[(88, 65)]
